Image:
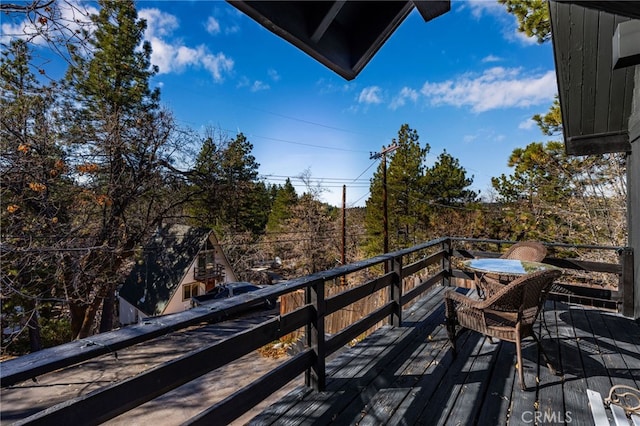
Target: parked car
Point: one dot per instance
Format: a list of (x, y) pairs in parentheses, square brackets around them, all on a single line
[(229, 290)]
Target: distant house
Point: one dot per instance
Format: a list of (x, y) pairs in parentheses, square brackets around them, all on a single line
[(178, 263)]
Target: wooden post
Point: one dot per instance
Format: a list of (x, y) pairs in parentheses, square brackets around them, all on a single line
[(633, 189), (626, 285), (385, 211), (343, 257), (446, 262), (395, 292), (316, 376)]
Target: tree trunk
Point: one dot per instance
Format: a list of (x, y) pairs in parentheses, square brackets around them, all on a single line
[(35, 339), (77, 312), (106, 319), (82, 318), (89, 319)]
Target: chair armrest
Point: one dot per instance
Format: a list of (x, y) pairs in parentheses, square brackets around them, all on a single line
[(490, 286), (459, 298), (451, 296)]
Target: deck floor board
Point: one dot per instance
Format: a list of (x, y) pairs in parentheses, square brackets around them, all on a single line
[(408, 375), (550, 397), (354, 374)]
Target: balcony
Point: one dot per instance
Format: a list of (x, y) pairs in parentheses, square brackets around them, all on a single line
[(400, 371), (208, 272)]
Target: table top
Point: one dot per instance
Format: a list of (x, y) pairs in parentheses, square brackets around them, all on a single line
[(506, 266)]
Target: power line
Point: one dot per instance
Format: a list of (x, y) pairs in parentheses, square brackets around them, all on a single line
[(351, 204), (300, 120), (188, 89), (317, 178), (364, 171), (303, 143)]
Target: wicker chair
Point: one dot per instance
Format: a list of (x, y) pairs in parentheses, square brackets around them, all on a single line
[(508, 314), (532, 251)]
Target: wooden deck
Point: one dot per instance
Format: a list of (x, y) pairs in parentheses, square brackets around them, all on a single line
[(407, 375)]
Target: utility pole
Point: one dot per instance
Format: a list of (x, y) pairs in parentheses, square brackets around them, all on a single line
[(385, 212)]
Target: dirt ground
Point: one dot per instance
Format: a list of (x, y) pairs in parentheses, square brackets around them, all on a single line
[(172, 408)]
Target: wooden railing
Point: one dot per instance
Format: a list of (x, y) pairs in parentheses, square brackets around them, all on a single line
[(203, 273), (434, 261)]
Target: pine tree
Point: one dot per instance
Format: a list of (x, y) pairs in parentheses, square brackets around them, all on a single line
[(405, 172), (533, 17), (279, 237), (285, 199), (239, 179), (446, 182), (228, 195), (257, 206), (206, 184), (121, 141), (35, 193), (577, 199)]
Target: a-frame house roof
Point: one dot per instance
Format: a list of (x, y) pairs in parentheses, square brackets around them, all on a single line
[(165, 261)]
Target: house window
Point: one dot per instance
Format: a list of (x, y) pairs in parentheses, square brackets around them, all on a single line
[(206, 258), (190, 290)]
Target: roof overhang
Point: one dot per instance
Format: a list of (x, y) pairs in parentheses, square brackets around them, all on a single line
[(342, 35), (595, 98), (628, 8)]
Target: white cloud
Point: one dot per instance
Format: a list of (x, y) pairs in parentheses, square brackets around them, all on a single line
[(481, 8), (172, 56), (496, 88), (370, 95), (494, 10), (159, 23), (491, 58), (522, 38), (162, 55), (12, 31), (184, 56), (326, 87), (243, 82), (74, 14), (232, 29), (483, 135), (401, 99), (528, 124), (273, 74), (258, 86), (213, 26), (217, 65)]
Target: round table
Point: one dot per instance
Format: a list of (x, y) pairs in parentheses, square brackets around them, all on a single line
[(502, 271), (512, 267)]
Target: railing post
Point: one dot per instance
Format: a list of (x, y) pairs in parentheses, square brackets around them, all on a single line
[(315, 377), (446, 262), (395, 292), (626, 281)]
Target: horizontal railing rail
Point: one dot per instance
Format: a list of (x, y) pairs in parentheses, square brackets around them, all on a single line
[(433, 260), (202, 273)]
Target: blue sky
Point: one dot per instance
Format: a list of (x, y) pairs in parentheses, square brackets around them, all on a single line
[(467, 82)]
